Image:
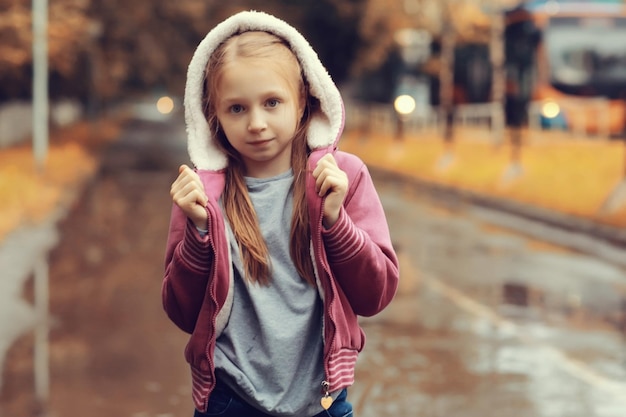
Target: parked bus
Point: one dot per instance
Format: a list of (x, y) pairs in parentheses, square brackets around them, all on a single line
[(577, 76)]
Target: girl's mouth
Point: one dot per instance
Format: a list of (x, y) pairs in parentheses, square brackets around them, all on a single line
[(260, 142)]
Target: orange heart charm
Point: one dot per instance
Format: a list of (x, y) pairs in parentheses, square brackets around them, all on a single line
[(327, 402)]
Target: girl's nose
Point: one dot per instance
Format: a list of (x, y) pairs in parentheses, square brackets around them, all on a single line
[(257, 121)]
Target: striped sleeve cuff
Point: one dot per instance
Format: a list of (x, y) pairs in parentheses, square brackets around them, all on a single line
[(343, 240), (194, 250)]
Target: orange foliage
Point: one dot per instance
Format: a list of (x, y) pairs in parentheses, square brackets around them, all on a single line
[(559, 173), (68, 29), (29, 195)]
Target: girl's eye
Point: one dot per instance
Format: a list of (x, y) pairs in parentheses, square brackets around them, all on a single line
[(236, 108), (272, 102)]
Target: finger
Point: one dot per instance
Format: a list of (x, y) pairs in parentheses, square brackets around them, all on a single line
[(328, 158), (327, 184), (181, 178), (326, 161), (194, 181), (326, 172), (187, 200), (194, 191), (188, 178), (320, 186), (180, 183), (320, 178)]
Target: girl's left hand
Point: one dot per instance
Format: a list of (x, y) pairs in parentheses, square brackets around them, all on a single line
[(332, 182)]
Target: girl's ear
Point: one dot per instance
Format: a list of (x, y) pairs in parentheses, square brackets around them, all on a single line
[(304, 98), (301, 108)]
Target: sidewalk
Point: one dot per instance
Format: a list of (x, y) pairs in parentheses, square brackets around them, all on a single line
[(567, 182)]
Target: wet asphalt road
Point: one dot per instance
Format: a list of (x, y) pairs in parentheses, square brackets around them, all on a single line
[(113, 352), (490, 322), (487, 322)]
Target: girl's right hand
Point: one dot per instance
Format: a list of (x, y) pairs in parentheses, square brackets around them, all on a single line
[(188, 193)]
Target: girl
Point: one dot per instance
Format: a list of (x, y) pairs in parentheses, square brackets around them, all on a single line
[(277, 240)]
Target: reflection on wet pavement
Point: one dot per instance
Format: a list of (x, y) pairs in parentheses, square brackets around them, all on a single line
[(492, 324)]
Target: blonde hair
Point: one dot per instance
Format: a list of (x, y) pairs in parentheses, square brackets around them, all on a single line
[(238, 208)]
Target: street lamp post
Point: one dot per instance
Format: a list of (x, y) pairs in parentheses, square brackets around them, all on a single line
[(40, 81), (496, 50), (446, 75), (40, 151)]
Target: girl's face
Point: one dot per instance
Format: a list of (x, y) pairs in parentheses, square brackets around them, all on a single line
[(258, 110)]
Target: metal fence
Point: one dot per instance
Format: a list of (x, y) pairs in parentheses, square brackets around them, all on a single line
[(486, 116)]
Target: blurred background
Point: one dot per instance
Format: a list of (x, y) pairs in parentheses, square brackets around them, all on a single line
[(495, 133)]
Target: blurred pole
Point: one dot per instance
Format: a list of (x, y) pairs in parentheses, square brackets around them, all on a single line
[(446, 75), (40, 151), (40, 82), (496, 49)]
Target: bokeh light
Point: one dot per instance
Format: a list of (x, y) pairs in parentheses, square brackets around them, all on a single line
[(404, 104), (550, 109), (165, 105)]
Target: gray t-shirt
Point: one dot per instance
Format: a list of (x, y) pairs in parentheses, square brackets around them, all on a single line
[(271, 351)]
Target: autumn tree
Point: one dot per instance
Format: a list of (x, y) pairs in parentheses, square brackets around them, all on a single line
[(110, 49), (104, 48), (68, 31), (145, 44)]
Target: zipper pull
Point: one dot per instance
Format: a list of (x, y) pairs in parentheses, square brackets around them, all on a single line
[(326, 400)]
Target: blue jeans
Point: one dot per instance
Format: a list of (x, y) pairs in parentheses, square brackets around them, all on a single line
[(225, 403)]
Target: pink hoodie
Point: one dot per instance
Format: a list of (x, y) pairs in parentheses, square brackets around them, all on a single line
[(355, 264)]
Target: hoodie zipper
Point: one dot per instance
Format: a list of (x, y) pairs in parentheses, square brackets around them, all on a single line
[(326, 269), (212, 284)]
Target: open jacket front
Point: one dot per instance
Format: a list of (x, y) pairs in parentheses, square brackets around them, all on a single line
[(355, 264)]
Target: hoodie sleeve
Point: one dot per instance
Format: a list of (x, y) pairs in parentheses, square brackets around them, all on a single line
[(359, 248), (188, 261)]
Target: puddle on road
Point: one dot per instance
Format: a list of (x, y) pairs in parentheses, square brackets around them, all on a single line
[(491, 323), (428, 356)]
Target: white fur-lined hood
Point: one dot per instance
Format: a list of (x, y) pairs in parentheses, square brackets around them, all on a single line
[(324, 129)]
